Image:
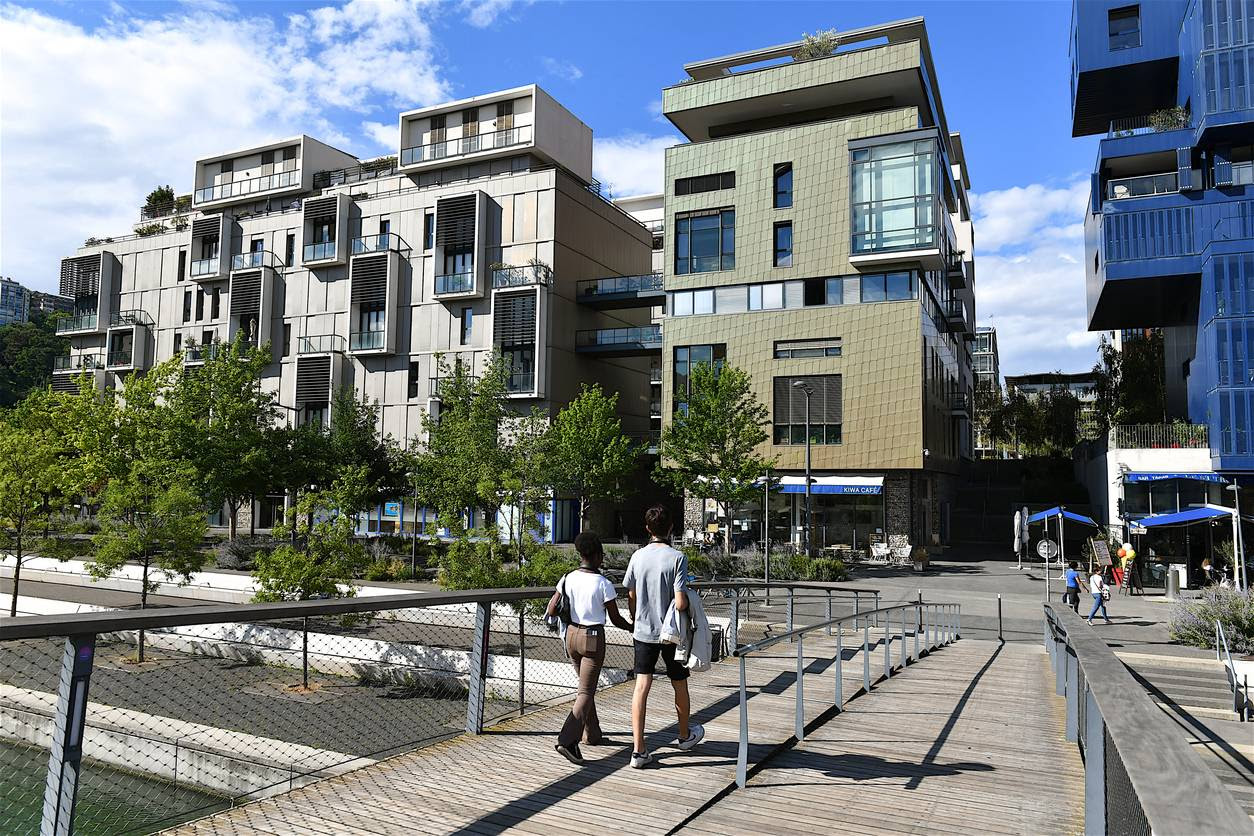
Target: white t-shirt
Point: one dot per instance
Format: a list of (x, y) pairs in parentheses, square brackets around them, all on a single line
[(1096, 583), (588, 592)]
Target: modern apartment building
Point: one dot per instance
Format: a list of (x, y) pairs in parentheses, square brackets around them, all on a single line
[(986, 365), (14, 302), (817, 232), (49, 303), (486, 233), (1169, 231)]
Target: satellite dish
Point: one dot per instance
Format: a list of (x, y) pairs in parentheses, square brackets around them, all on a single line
[(1047, 549)]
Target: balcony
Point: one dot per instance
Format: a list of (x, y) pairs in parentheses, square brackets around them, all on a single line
[(455, 284), (253, 185), (648, 440), (205, 267), (956, 270), (620, 342), (197, 354), (82, 324), (320, 251), (380, 243), (367, 340), (655, 407), (655, 374), (121, 358), (618, 292), (127, 319), (1159, 437), (1146, 185), (255, 260), (521, 383), (531, 274), (956, 316), (453, 148), (903, 230), (81, 362), (959, 404), (320, 344)]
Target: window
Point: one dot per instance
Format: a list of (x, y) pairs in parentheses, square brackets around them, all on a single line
[(834, 290), (227, 166), (385, 226), (215, 307), (413, 380), (783, 185), (519, 361), (324, 231), (458, 261), (187, 306), (895, 204), (287, 338), (686, 357), (1124, 27), (428, 231), (468, 325), (703, 301), (182, 265), (824, 409), (783, 244), (206, 338), (370, 317), (200, 305), (267, 158), (289, 153), (887, 287), (705, 242), (178, 343), (705, 183), (209, 247), (289, 251), (796, 349), (814, 292), (689, 302)]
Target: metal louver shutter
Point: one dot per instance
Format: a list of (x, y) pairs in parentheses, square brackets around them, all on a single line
[(514, 319), (783, 400), (206, 226), (246, 293), (1184, 169), (455, 222), (80, 276), (313, 379), (64, 383), (825, 404), (826, 408), (368, 279), (320, 208)]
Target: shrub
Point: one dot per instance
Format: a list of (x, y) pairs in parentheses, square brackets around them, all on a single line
[(616, 557), (826, 569), (242, 552), (700, 565), (387, 570), (472, 564), (819, 45), (149, 229), (1193, 622), (545, 565)]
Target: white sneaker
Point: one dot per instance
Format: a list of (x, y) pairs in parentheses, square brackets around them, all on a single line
[(696, 733), (639, 760)]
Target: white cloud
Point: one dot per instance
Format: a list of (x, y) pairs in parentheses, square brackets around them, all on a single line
[(386, 135), (631, 164), (564, 70), (483, 13), (95, 117), (1029, 243)]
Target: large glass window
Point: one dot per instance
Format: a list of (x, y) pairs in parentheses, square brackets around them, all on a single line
[(705, 242), (783, 244), (1124, 27), (895, 196), (783, 185), (686, 357)]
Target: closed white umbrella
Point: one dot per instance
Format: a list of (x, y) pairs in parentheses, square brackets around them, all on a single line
[(1019, 542)]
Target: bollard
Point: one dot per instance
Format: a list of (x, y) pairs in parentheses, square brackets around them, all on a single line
[(742, 752), (1000, 638), (866, 655)]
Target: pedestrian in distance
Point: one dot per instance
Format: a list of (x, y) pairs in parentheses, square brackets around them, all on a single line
[(657, 575), (583, 600), (1101, 594), (1071, 594)]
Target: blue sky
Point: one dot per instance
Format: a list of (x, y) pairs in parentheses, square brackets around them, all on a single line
[(103, 100)]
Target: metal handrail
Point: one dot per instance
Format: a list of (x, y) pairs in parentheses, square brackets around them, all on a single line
[(1240, 695), (939, 623), (444, 149), (1111, 717)]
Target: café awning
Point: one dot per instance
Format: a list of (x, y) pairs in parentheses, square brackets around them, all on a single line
[(1186, 517), (832, 484), (1144, 476), (1051, 513)]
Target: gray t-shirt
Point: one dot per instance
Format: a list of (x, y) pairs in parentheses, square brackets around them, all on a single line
[(655, 572)]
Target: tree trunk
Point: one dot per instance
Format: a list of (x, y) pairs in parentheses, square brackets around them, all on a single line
[(727, 534), (231, 509), (252, 516), (17, 573), (585, 512)]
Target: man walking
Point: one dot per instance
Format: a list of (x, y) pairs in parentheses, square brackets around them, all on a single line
[(657, 575)]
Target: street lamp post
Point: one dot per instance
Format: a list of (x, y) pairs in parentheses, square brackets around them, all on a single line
[(805, 388), (1238, 541)]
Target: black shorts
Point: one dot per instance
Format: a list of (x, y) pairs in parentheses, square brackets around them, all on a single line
[(647, 654)]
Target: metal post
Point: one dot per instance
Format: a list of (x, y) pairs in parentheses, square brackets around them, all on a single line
[(840, 658), (1238, 546), (1073, 698), (766, 535), (478, 668), (958, 621), (1000, 638), (799, 725), (888, 645), (829, 611), (1237, 558), (790, 597), (413, 546), (522, 664), (742, 752), (734, 628), (866, 655), (918, 621), (809, 516), (1094, 769), (304, 652), (903, 640), (65, 757), (877, 606)]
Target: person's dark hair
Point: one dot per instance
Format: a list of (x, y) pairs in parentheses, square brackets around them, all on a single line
[(588, 545), (657, 521), (1071, 564)]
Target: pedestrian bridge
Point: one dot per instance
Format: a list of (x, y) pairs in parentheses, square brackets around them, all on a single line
[(832, 714)]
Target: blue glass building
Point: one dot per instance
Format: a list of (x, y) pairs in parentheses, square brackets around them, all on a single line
[(1169, 235)]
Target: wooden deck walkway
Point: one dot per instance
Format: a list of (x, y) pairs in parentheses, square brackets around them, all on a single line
[(969, 738)]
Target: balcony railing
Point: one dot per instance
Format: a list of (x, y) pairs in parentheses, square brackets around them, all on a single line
[(454, 283), (655, 374), (205, 267), (1142, 186), (1159, 437), (121, 319), (645, 335), (437, 385), (520, 382), (253, 260), (74, 364), (179, 206), (960, 402), (366, 340), (200, 353), (1243, 174), (240, 188), (449, 148), (355, 174), (85, 322), (320, 344), (121, 357), (382, 242), (320, 251), (1148, 233), (621, 284), (521, 276), (655, 407)]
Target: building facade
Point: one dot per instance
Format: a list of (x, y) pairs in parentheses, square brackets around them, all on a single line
[(1169, 231), (485, 234), (49, 303), (817, 232), (14, 302), (1081, 384), (986, 366)]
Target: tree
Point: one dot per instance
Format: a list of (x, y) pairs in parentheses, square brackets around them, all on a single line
[(354, 439), (27, 350), (591, 457), (29, 451), (818, 45), (324, 557), (711, 449), (528, 443), (1131, 384), (155, 523), (160, 196)]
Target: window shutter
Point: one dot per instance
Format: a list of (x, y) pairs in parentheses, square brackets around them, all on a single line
[(1223, 166), (514, 319), (455, 222), (368, 279), (246, 293), (1184, 168), (80, 276)]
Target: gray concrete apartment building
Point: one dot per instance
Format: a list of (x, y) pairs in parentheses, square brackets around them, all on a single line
[(486, 232)]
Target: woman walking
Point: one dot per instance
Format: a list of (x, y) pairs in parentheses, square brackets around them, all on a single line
[(592, 597), (1101, 592)]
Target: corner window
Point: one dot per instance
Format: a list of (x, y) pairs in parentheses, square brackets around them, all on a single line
[(783, 185), (287, 338), (895, 196), (783, 244), (187, 306), (215, 307), (412, 381), (1124, 27), (705, 242), (888, 287), (182, 265), (289, 250)]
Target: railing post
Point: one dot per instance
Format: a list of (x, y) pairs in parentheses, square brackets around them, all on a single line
[(733, 629), (866, 654), (904, 655), (65, 757), (829, 611), (918, 623), (522, 663), (477, 690), (888, 645), (877, 606), (840, 676), (742, 752), (790, 597), (958, 622), (1060, 668), (1073, 699), (799, 725), (1094, 769), (1000, 638)]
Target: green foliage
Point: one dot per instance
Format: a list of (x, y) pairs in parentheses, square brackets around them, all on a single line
[(387, 570), (827, 569), (27, 350), (160, 196), (711, 450), (529, 456), (1169, 119), (152, 525), (472, 563), (592, 459), (1192, 621), (353, 440), (1131, 385), (1045, 424), (148, 230), (242, 552), (818, 45)]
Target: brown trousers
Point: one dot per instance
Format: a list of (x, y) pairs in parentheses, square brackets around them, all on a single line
[(586, 648)]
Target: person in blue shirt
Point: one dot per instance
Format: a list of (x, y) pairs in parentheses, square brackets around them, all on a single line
[(1072, 594)]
